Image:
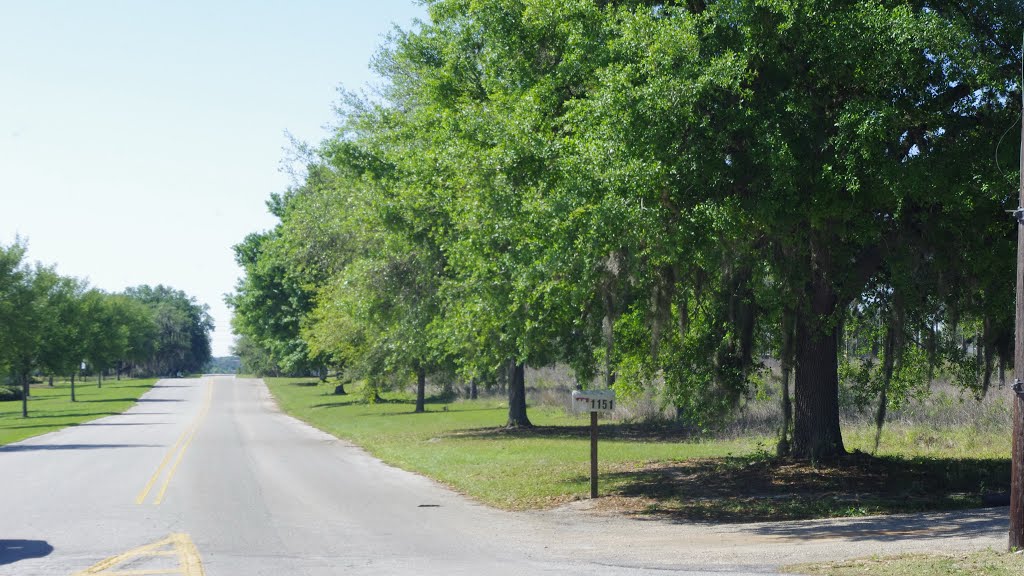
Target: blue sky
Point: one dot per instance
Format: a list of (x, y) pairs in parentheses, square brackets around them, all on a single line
[(140, 139)]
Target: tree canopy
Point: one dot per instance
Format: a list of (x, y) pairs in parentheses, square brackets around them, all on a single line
[(659, 193)]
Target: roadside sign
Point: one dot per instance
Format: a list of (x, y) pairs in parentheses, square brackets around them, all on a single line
[(593, 400)]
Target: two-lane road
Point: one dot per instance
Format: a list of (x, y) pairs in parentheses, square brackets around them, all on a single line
[(206, 476)]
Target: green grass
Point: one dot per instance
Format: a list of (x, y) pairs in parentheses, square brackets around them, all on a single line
[(984, 563), (925, 441), (51, 409), (657, 470), (466, 447)]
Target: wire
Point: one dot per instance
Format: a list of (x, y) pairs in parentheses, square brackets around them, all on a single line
[(1012, 126)]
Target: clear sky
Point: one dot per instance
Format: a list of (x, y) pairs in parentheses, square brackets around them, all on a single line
[(140, 139)]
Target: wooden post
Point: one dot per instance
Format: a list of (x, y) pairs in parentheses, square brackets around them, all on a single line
[(1017, 467), (593, 454)]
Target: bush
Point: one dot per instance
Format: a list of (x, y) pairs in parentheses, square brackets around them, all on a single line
[(10, 393)]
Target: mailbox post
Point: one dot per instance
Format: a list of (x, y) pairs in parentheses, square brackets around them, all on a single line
[(593, 401)]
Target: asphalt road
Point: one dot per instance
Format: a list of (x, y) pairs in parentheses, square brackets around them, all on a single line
[(207, 477)]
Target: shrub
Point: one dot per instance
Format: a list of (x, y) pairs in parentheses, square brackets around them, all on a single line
[(10, 393)]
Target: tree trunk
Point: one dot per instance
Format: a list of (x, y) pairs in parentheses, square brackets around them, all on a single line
[(608, 329), (816, 433), (613, 267), (987, 354), (51, 380), (340, 389), (517, 397), (661, 308), (474, 391), (888, 367), (73, 387), (99, 379), (786, 358), (932, 349), (742, 316), (503, 376), (421, 388), (24, 395), (683, 305)]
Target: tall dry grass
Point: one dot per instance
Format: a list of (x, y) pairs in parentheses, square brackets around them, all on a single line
[(944, 421)]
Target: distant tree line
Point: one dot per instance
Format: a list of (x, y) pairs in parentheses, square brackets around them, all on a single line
[(53, 325), (659, 194), (223, 365)]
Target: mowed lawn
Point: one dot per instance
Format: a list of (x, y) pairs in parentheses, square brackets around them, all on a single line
[(655, 469), (463, 444), (51, 409)]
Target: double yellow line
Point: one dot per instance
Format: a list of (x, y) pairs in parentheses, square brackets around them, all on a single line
[(176, 453)]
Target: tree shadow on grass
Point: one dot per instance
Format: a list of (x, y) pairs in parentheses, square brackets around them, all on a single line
[(334, 404), (349, 400), (428, 410), (760, 488), (12, 551), (637, 432)]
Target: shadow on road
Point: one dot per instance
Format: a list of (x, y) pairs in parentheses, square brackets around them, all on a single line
[(30, 427), (12, 551), (41, 447), (988, 522), (89, 424), (122, 424), (73, 415), (140, 400)]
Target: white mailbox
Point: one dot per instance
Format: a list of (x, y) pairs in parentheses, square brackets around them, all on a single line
[(593, 400)]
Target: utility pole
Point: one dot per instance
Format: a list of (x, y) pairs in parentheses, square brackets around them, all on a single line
[(1017, 466)]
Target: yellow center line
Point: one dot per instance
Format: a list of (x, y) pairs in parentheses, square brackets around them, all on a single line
[(181, 453), (146, 560), (178, 448)]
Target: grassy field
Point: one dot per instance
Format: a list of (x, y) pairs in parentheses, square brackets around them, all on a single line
[(984, 563), (51, 409), (656, 468), (462, 444)]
